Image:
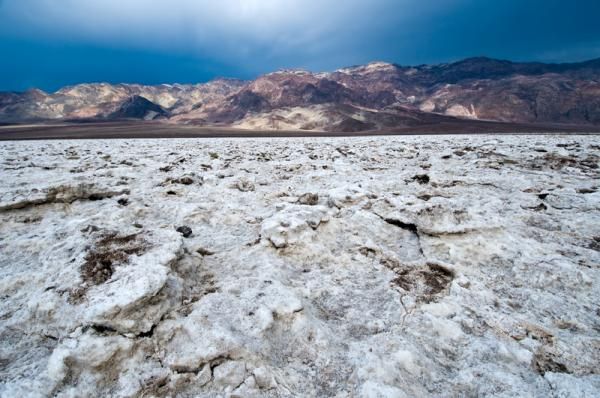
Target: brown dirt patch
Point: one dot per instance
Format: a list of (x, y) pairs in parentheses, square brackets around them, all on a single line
[(110, 250), (546, 361), (427, 282)]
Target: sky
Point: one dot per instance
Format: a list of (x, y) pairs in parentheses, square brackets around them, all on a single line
[(52, 43)]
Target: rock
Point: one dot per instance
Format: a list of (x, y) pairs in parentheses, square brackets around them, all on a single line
[(140, 291), (123, 201), (245, 186), (293, 224), (279, 241), (264, 378), (346, 196), (309, 199), (60, 194), (185, 231), (204, 376), (421, 179), (90, 228), (88, 352), (229, 374), (204, 251), (185, 180)]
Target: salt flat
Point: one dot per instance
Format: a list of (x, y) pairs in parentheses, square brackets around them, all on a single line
[(367, 267)]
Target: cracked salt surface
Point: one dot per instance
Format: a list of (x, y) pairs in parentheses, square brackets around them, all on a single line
[(368, 267)]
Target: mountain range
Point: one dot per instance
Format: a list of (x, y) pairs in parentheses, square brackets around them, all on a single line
[(375, 96)]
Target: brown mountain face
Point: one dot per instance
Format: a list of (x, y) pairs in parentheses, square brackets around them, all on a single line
[(138, 107), (369, 97)]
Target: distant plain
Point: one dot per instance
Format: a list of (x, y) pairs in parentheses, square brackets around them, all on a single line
[(137, 129)]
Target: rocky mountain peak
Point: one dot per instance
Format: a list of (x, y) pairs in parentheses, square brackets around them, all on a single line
[(138, 107)]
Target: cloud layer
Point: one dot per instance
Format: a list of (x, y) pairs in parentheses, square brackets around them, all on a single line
[(230, 28), (252, 36)]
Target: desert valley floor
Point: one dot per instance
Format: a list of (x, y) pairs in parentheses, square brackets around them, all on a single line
[(348, 267)]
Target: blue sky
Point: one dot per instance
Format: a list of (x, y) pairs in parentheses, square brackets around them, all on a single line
[(52, 43)]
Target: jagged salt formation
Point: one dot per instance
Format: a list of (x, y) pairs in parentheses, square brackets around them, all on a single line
[(371, 267)]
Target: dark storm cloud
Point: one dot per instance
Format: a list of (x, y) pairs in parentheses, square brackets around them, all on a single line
[(49, 43)]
